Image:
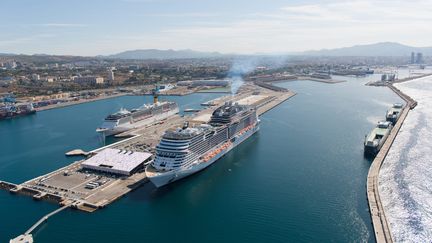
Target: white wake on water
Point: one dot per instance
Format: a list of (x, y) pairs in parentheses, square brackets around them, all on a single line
[(405, 180)]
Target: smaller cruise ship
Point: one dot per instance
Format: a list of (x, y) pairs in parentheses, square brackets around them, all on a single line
[(125, 120), (394, 113), (376, 138)]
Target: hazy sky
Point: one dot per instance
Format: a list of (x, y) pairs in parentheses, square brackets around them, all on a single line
[(93, 27)]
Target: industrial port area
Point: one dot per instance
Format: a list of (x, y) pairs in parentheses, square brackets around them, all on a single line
[(112, 171), (216, 121), (103, 175), (89, 188), (108, 173)]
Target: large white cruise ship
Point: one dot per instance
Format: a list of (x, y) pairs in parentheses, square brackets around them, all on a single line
[(187, 150), (125, 120)]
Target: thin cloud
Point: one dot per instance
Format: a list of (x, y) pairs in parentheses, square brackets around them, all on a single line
[(143, 1), (287, 27), (62, 25), (364, 10), (181, 15), (25, 39), (301, 27)]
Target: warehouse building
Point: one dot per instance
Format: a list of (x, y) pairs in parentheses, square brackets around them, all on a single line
[(115, 161)]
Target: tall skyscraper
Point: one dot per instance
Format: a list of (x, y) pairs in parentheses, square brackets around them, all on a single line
[(419, 59), (413, 59)]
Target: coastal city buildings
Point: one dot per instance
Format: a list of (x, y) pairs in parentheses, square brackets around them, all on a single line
[(416, 58), (216, 121), (89, 80)]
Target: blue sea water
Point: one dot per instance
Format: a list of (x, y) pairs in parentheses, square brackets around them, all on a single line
[(301, 178)]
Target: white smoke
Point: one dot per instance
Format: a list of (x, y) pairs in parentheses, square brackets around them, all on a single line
[(239, 68), (244, 65)]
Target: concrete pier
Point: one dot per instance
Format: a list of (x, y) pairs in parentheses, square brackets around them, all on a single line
[(22, 239), (77, 152), (327, 81), (379, 221), (387, 83), (44, 219), (27, 237)]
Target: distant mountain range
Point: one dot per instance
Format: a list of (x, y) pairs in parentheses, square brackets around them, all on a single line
[(377, 49), (385, 49), (164, 54)]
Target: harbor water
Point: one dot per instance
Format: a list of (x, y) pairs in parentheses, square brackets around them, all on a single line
[(301, 178)]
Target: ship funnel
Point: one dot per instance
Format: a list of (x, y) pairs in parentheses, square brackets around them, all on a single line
[(155, 92), (185, 125)]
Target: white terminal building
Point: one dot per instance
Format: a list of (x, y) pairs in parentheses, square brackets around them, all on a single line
[(89, 79), (117, 161)]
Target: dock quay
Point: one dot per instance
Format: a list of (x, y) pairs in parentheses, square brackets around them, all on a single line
[(269, 80), (82, 101), (410, 102), (177, 91), (387, 83), (411, 78), (321, 80), (270, 86), (379, 221)]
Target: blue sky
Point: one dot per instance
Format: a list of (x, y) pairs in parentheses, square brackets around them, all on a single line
[(99, 27)]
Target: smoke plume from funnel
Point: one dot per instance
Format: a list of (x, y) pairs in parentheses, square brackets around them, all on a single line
[(239, 68)]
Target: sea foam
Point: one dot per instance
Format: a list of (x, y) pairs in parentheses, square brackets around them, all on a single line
[(405, 179)]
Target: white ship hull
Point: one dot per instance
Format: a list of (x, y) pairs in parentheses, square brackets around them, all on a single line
[(164, 178), (128, 126)]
